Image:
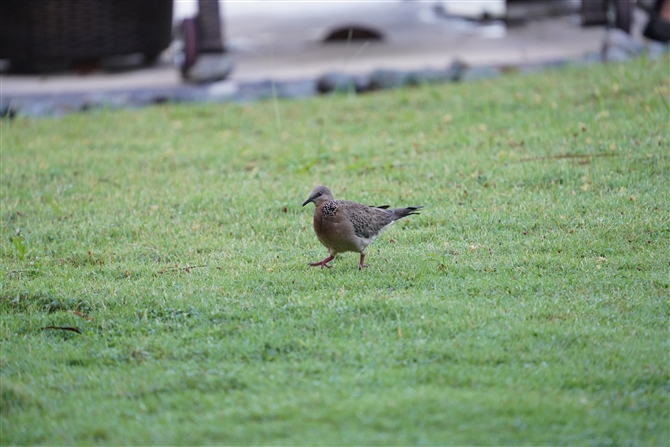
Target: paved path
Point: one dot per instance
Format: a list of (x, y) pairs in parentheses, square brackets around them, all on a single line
[(538, 41)]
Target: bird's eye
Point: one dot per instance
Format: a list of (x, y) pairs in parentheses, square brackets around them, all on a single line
[(319, 194)]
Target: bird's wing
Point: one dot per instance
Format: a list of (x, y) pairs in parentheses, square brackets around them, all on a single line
[(367, 221)]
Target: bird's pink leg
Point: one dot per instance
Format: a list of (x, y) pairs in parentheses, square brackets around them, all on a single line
[(361, 265), (323, 263)]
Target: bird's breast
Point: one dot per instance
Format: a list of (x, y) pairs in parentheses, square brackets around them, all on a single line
[(329, 209)]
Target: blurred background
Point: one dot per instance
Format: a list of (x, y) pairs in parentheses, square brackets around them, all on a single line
[(53, 46)]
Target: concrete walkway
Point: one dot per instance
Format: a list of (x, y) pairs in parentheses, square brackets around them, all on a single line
[(539, 41), (271, 65)]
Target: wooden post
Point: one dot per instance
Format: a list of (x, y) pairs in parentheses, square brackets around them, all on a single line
[(209, 27)]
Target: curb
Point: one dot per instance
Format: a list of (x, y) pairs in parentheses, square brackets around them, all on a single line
[(616, 48)]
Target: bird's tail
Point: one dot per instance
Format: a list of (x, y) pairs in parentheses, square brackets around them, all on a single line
[(399, 213)]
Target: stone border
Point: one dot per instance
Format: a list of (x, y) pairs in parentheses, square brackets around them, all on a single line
[(618, 47)]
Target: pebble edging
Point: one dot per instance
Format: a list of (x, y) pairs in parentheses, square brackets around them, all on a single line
[(618, 47)]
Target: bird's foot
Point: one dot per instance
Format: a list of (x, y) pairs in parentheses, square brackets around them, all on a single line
[(360, 264), (320, 264), (360, 267), (323, 263)]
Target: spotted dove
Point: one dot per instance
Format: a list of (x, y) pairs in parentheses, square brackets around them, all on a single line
[(345, 226)]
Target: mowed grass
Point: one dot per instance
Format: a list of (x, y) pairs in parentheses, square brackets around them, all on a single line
[(527, 304)]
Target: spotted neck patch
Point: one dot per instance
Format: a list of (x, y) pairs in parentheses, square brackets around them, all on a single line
[(329, 209)]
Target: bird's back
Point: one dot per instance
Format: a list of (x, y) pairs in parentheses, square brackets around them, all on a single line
[(368, 221)]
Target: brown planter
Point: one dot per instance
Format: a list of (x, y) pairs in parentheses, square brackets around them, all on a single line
[(36, 34)]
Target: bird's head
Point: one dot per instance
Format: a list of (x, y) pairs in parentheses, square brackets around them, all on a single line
[(319, 195)]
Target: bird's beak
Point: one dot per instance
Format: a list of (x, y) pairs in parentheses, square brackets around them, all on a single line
[(307, 201)]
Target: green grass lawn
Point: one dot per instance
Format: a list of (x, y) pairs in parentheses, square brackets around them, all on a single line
[(527, 304)]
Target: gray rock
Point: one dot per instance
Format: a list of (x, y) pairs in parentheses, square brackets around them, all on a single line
[(109, 100), (385, 79), (336, 82), (254, 91), (210, 67), (7, 110), (615, 54), (69, 103), (362, 83), (480, 72), (296, 89), (455, 70), (620, 46), (590, 58), (656, 50), (148, 97), (428, 76), (222, 90), (36, 107), (192, 93), (540, 66)]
